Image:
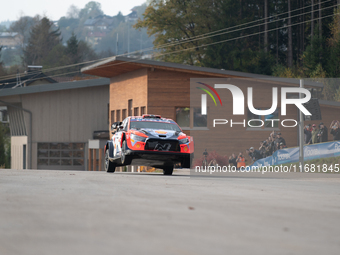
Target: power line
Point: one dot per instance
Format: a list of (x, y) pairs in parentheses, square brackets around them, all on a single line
[(240, 37), (191, 40), (214, 43), (274, 16), (200, 38), (195, 38)]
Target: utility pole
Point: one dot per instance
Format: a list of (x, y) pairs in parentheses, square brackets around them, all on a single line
[(301, 133), (320, 20), (266, 26), (312, 22), (290, 38), (117, 46), (128, 37)]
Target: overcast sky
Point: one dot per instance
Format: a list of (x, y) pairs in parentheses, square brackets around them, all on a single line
[(12, 9)]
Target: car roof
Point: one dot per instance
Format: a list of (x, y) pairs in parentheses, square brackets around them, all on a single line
[(140, 118)]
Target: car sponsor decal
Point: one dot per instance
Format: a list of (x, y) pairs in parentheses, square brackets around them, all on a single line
[(161, 132)]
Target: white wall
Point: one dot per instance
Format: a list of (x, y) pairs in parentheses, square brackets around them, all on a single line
[(17, 143)]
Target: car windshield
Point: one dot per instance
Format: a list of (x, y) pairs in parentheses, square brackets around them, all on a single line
[(154, 125)]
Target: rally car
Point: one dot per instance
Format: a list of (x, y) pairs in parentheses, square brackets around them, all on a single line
[(148, 140)]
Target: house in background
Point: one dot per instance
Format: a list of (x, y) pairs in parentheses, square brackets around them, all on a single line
[(10, 39), (100, 23), (93, 37), (132, 16)]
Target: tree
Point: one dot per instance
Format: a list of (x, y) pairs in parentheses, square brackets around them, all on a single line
[(311, 57), (24, 25), (72, 49), (68, 25), (91, 10), (4, 146), (2, 70), (180, 22), (120, 17), (43, 38), (86, 52), (73, 12), (334, 46)]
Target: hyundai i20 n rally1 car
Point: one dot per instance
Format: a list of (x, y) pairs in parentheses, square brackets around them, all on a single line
[(148, 140)]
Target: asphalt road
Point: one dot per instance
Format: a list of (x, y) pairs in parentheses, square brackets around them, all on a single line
[(63, 212)]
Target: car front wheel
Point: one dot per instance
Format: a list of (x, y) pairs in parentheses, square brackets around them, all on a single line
[(167, 170), (124, 159), (110, 167)]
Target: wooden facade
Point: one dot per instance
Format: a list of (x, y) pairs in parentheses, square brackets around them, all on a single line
[(160, 89)]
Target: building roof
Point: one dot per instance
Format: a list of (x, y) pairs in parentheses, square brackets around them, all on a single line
[(90, 22), (54, 87), (96, 34), (116, 65), (27, 79), (8, 34), (100, 19), (330, 103)]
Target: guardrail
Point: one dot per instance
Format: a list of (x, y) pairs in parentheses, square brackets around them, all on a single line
[(291, 155)]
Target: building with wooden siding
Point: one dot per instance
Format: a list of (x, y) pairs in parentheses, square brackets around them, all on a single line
[(51, 124), (154, 87)]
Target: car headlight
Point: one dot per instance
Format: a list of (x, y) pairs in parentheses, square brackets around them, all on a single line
[(137, 138), (184, 140)]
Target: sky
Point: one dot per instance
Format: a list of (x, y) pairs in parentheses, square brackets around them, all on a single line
[(13, 9)]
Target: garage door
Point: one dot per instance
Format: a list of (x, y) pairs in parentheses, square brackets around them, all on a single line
[(63, 156)]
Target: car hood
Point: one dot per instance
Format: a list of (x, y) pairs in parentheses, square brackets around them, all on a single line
[(160, 133)]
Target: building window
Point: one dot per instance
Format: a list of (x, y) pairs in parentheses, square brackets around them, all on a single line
[(269, 119), (136, 111), (142, 110), (123, 114), (183, 116), (118, 115), (112, 117), (199, 119), (3, 114), (256, 119), (130, 107), (61, 154)]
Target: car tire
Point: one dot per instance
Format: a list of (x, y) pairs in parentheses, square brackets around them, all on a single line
[(110, 167), (124, 159), (167, 170)]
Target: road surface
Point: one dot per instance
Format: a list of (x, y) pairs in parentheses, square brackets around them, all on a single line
[(76, 212)]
